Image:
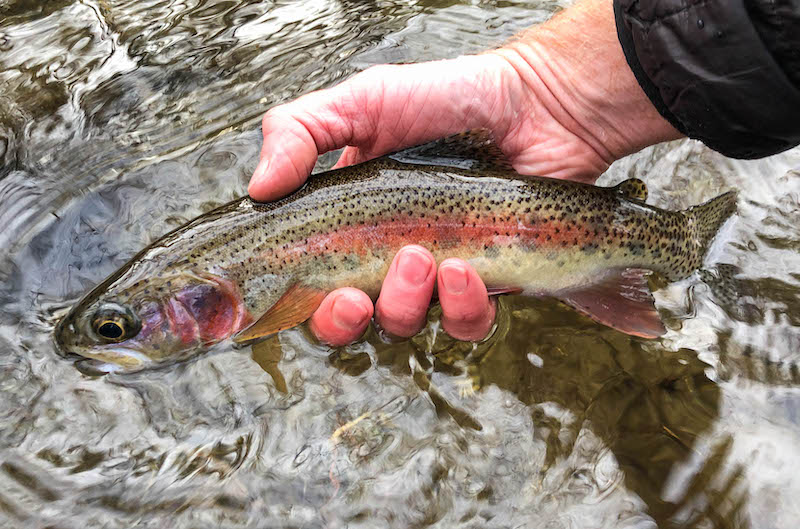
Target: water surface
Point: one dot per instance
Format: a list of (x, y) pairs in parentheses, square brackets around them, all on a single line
[(121, 120)]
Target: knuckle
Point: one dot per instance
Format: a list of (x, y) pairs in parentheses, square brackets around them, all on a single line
[(269, 115), (274, 114)]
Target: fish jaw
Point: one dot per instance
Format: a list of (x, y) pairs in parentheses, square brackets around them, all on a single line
[(101, 357), (118, 359)]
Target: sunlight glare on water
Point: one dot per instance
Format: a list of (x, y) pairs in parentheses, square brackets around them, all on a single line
[(122, 120)]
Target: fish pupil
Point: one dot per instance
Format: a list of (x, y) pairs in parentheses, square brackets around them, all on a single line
[(111, 330)]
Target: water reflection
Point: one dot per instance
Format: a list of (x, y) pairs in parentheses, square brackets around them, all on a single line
[(646, 406), (120, 121)]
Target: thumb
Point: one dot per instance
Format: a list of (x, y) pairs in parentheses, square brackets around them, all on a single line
[(294, 135)]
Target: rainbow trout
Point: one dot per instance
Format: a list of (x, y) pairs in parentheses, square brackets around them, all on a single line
[(248, 270)]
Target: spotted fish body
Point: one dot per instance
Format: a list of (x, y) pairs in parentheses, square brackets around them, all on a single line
[(248, 269), (541, 235)]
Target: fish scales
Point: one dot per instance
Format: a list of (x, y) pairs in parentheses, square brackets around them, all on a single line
[(539, 235), (346, 236)]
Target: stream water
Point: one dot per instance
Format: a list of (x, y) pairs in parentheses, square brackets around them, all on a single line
[(122, 120)]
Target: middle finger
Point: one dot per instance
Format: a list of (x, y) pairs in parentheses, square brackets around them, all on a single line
[(406, 292)]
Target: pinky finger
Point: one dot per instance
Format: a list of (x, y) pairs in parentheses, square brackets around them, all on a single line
[(467, 311)]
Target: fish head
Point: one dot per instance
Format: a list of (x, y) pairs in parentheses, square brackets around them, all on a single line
[(127, 324)]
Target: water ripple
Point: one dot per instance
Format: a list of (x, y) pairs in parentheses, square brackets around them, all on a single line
[(120, 121)]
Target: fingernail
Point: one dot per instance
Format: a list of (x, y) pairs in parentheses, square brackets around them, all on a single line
[(261, 169), (348, 315), (454, 278), (414, 267)]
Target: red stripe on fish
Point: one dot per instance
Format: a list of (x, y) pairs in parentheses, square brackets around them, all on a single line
[(489, 231)]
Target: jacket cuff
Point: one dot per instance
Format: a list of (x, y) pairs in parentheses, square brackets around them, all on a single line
[(707, 72)]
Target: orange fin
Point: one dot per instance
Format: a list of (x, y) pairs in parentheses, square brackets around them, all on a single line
[(500, 291), (293, 308), (622, 301)]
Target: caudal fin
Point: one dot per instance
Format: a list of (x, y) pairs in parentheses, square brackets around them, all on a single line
[(706, 219)]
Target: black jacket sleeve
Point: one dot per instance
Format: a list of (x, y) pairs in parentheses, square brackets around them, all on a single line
[(726, 72)]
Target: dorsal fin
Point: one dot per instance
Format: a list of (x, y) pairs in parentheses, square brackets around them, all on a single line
[(632, 188), (474, 150)]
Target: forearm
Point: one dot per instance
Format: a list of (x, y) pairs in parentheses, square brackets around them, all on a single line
[(575, 65)]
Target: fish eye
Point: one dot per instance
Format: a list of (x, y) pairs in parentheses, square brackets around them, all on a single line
[(112, 330), (113, 323)]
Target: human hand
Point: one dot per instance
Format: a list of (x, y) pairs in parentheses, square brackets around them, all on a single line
[(559, 102), (467, 311), (387, 108)]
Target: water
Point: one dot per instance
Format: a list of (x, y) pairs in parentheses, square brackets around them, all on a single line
[(120, 121)]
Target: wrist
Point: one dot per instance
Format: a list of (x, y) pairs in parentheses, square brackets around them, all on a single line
[(576, 69)]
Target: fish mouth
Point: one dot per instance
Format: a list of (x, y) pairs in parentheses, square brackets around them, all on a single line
[(94, 367), (104, 359), (128, 359), (64, 334), (116, 359)]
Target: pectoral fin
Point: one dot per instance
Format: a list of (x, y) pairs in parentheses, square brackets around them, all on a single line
[(293, 308), (622, 301)]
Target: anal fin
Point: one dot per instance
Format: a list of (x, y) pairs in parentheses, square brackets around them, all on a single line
[(296, 305), (622, 300)]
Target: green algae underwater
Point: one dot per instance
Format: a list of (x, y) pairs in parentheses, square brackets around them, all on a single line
[(124, 120)]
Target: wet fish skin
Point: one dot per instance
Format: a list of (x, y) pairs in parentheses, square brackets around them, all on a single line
[(214, 277)]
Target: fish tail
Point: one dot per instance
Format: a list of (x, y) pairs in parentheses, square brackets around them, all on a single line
[(706, 219)]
